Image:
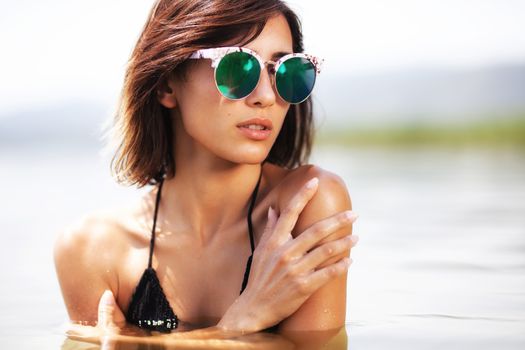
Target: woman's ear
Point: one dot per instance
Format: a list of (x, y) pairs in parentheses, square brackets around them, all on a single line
[(166, 94)]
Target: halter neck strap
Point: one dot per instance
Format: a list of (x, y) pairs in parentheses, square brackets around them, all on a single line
[(152, 241)]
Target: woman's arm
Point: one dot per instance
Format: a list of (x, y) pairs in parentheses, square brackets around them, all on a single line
[(84, 254), (326, 308), (116, 336)]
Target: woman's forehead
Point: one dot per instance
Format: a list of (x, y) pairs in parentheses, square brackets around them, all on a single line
[(275, 40)]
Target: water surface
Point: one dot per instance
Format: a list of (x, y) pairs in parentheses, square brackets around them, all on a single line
[(440, 262)]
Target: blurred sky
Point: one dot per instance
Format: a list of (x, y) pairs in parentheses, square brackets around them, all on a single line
[(58, 50)]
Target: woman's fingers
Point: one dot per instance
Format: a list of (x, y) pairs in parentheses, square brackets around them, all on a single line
[(109, 313), (272, 219), (106, 308), (309, 238), (322, 276), (317, 256), (290, 214)]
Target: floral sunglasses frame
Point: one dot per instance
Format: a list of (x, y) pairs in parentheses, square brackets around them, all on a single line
[(217, 54)]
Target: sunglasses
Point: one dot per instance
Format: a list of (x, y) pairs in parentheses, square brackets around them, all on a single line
[(238, 71)]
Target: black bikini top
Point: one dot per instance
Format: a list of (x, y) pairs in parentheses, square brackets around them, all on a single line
[(149, 308)]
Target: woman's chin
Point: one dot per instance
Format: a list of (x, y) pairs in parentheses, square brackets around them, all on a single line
[(250, 156)]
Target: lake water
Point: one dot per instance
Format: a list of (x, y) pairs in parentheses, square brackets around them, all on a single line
[(440, 262)]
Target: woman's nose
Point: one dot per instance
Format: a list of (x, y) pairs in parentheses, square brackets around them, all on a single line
[(264, 94)]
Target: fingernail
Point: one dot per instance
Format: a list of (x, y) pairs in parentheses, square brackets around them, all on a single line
[(354, 238), (312, 183), (351, 215), (107, 297)]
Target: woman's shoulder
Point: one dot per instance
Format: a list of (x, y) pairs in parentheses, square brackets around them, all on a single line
[(332, 186), (97, 234), (331, 197), (86, 236)]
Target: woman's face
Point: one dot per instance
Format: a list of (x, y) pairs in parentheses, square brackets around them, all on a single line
[(206, 119)]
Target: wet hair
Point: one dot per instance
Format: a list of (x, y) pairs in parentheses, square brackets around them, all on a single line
[(142, 128)]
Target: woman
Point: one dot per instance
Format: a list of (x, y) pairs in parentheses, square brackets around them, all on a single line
[(238, 234)]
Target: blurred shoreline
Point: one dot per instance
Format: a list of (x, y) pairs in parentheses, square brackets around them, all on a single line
[(507, 131)]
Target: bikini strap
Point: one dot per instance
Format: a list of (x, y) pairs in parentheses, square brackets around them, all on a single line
[(250, 228), (249, 217), (152, 242)]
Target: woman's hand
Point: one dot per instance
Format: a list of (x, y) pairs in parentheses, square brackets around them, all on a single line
[(286, 271), (110, 322)]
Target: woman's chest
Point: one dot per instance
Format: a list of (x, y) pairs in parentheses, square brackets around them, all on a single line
[(199, 282)]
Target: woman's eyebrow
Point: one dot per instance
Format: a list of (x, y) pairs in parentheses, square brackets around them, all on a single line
[(280, 54)]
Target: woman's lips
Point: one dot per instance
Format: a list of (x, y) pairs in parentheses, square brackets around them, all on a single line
[(255, 134), (258, 121)]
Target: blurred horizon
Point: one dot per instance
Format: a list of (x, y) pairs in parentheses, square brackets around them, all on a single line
[(67, 52), (403, 107)]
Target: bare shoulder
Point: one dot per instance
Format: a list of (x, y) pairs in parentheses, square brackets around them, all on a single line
[(84, 230), (332, 195), (92, 233), (85, 253)]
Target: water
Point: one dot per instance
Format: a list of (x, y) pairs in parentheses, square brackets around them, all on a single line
[(441, 258), (440, 262)]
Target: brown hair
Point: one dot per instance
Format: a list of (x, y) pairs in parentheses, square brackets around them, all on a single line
[(173, 31)]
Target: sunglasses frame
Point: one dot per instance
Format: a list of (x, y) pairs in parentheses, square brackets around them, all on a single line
[(218, 53)]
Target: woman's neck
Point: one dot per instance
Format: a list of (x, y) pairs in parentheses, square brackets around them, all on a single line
[(204, 199)]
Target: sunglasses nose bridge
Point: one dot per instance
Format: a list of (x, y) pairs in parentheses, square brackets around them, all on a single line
[(269, 66)]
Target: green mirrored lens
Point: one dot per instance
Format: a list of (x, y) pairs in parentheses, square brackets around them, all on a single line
[(295, 79), (237, 74)]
